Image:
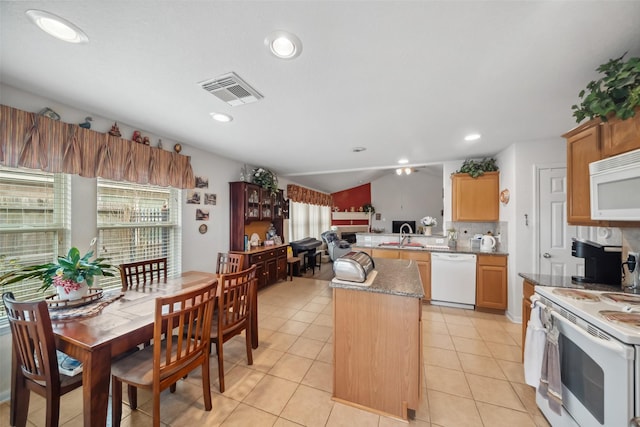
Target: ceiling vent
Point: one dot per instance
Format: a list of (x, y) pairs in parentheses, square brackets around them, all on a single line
[(231, 89)]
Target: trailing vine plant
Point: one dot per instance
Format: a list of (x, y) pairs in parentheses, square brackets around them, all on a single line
[(478, 168)]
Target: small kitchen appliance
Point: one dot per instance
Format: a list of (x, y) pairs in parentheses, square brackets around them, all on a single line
[(601, 262), (487, 243), (353, 267)]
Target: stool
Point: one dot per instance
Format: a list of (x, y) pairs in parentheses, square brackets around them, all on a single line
[(291, 262), (313, 259)]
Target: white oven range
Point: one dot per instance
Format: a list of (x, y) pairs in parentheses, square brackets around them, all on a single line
[(599, 345)]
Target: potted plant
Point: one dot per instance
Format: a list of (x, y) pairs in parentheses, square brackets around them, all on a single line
[(72, 275), (428, 222), (265, 179), (368, 208), (478, 168), (617, 93)]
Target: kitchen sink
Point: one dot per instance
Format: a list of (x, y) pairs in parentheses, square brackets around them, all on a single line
[(405, 246)]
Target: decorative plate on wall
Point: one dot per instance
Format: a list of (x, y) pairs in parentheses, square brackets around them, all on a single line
[(202, 228), (504, 196)]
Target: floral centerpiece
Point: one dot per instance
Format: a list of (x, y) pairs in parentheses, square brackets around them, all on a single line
[(68, 274), (428, 222), (266, 179)]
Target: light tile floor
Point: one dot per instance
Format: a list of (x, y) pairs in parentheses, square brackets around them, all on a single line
[(473, 374)]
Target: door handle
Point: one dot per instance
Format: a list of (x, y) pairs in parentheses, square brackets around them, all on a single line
[(546, 255)]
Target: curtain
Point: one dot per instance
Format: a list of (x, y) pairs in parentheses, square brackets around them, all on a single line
[(306, 195), (38, 142), (306, 220)]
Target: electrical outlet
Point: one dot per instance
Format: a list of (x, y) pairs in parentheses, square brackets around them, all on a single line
[(439, 241)]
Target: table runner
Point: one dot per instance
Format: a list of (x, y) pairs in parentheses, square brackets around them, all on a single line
[(86, 310)]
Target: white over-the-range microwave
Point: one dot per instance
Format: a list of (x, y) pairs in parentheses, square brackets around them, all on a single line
[(615, 187)]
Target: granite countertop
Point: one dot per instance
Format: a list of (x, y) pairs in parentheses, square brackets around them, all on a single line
[(394, 277), (462, 250), (566, 282)]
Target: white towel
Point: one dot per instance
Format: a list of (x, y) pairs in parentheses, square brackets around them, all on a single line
[(550, 378), (534, 343)]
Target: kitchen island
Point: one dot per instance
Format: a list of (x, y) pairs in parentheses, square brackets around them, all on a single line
[(377, 344)]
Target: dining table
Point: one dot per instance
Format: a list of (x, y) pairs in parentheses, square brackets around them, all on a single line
[(115, 329)]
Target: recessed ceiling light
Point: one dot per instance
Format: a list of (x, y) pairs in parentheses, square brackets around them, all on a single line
[(283, 44), (403, 161), (472, 137), (221, 117), (358, 149), (57, 27)]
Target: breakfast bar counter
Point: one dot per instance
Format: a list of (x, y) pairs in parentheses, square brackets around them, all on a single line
[(378, 340)]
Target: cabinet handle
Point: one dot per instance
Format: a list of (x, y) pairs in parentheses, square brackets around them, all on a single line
[(546, 255)]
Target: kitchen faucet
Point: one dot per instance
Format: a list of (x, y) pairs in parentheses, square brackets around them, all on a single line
[(404, 236)]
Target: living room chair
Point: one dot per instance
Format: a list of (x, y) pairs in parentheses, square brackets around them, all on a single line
[(143, 273), (35, 362), (229, 263), (162, 364), (236, 293)]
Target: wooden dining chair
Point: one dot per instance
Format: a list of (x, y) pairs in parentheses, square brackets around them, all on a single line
[(35, 362), (229, 263), (236, 293), (142, 273), (162, 364)]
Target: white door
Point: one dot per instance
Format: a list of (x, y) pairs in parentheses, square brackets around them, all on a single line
[(554, 257)]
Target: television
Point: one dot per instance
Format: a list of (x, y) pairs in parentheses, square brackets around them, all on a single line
[(395, 226)]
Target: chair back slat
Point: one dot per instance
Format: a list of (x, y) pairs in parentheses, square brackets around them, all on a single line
[(190, 311), (235, 293), (33, 340), (142, 273), (229, 263)]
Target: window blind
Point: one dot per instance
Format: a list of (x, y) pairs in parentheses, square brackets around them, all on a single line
[(138, 222), (34, 225)]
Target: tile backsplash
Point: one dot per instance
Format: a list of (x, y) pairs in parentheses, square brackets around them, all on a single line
[(466, 230)]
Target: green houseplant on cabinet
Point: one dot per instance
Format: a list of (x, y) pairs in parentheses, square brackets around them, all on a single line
[(615, 94), (476, 168), (72, 275)]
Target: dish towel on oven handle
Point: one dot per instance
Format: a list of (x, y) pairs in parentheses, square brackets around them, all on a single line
[(534, 344), (550, 380)]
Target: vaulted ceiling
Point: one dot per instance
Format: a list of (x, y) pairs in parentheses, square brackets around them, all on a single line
[(403, 79)]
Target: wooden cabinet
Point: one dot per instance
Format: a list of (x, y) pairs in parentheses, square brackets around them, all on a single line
[(491, 282), (583, 147), (250, 203), (385, 253), (475, 199), (423, 260), (377, 351), (620, 136), (271, 264), (528, 290)]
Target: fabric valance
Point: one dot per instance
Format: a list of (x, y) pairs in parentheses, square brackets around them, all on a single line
[(306, 195), (37, 142)]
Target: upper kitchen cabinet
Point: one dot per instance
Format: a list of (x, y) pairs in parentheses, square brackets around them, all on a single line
[(620, 136), (583, 147), (475, 199)]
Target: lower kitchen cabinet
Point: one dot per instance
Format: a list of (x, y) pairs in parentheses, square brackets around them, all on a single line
[(385, 253), (423, 260), (528, 290), (491, 282)]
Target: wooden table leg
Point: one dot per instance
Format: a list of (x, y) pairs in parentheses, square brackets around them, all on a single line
[(254, 319), (19, 394), (96, 376)]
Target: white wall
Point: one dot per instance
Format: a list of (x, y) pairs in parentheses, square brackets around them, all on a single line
[(517, 173), (406, 197)]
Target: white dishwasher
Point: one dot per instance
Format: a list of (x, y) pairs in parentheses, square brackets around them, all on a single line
[(453, 279)]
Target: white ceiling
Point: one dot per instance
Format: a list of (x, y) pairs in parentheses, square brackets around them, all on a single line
[(401, 78)]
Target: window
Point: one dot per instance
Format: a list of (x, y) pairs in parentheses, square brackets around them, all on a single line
[(308, 220), (34, 224), (138, 222)]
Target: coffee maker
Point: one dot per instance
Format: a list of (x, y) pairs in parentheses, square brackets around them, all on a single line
[(601, 262)]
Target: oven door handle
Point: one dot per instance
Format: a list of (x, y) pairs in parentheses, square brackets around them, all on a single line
[(623, 350)]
